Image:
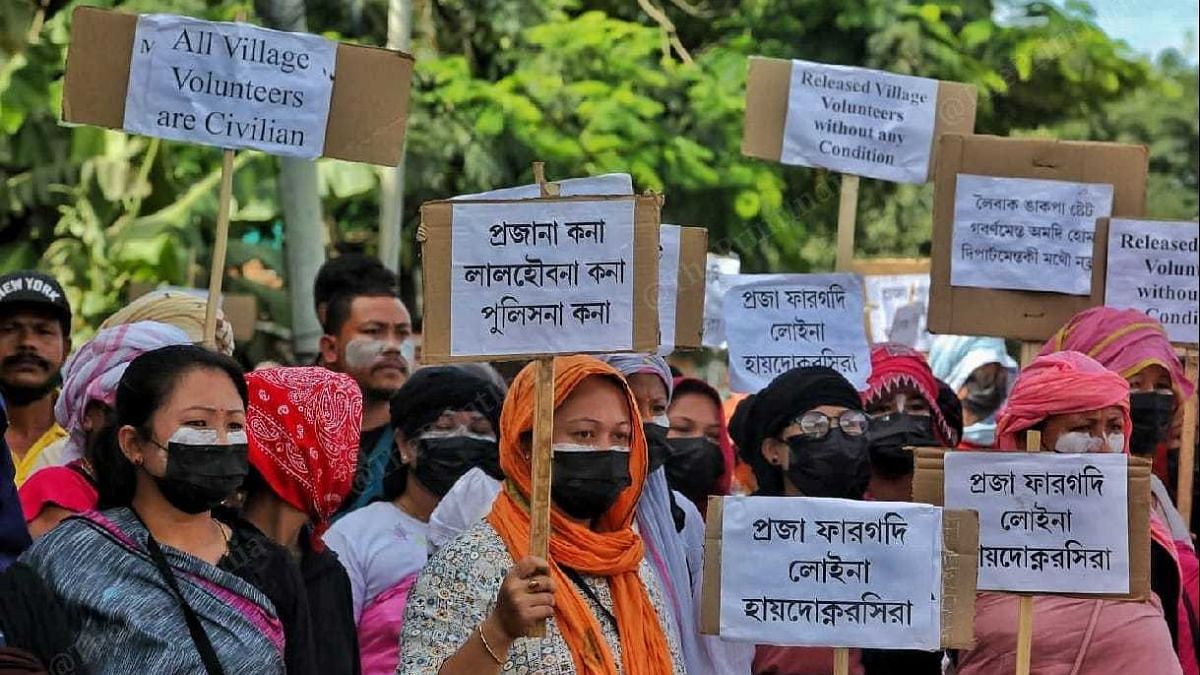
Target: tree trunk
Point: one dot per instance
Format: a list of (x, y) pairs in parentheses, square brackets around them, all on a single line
[(304, 235)]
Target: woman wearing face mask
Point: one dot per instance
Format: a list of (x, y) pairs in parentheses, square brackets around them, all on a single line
[(901, 398), (445, 420), (701, 461), (303, 428), (144, 575), (1136, 347), (1078, 406), (980, 370), (472, 606), (805, 434)]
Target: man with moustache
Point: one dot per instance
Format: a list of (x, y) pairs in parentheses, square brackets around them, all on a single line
[(35, 337), (368, 333)]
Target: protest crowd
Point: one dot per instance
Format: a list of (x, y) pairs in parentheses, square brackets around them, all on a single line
[(448, 495)]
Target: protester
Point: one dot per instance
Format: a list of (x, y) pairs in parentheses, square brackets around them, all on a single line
[(14, 536), (701, 461), (164, 608), (1135, 346), (902, 400), (446, 420), (183, 309), (84, 409), (1078, 406), (980, 370), (368, 337), (472, 605), (348, 273), (35, 337), (303, 428), (805, 434)]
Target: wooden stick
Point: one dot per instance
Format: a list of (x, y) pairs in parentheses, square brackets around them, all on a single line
[(847, 216), (1033, 443), (1187, 449), (216, 271), (841, 661), (541, 461)]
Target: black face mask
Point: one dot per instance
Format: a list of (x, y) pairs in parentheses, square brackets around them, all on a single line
[(835, 466), (694, 466), (200, 477), (656, 446), (442, 461), (586, 484), (983, 400), (1152, 415), (890, 434)]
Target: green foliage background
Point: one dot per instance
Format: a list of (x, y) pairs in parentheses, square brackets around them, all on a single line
[(653, 88)]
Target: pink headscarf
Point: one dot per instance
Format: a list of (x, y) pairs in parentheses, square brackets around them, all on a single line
[(1125, 341), (1060, 384)]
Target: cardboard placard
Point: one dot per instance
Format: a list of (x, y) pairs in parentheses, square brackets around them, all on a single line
[(1023, 315), (366, 121), (929, 488), (960, 543), (767, 86), (1162, 283), (436, 222), (689, 298)]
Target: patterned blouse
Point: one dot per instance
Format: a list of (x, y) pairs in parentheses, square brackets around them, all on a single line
[(457, 590)]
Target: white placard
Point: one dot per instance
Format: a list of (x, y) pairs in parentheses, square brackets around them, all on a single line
[(831, 572), (1025, 234), (1048, 522), (886, 295), (859, 121), (719, 273), (614, 184), (542, 277), (776, 322), (1154, 266), (668, 285), (232, 85)]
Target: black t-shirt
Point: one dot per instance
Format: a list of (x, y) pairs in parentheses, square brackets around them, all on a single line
[(367, 441), (332, 605)]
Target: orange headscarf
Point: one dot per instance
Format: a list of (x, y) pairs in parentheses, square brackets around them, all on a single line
[(611, 550)]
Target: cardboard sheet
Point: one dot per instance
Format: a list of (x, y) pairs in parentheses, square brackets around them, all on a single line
[(368, 111), (436, 219), (1024, 315), (928, 488), (960, 543), (689, 299), (767, 100)]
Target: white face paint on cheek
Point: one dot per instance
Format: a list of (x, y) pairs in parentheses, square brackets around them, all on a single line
[(1116, 443), (363, 352), (195, 436), (1077, 443)]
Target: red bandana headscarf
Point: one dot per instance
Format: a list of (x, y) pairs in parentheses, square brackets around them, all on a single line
[(894, 366), (303, 426)]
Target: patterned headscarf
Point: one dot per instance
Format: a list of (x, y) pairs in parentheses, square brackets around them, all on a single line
[(1125, 341), (303, 426), (894, 366), (632, 364), (93, 372), (182, 310)]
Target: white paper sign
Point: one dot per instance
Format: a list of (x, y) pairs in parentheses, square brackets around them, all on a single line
[(719, 271), (231, 85), (668, 285), (831, 572), (1025, 234), (1048, 522), (1154, 266), (616, 184), (859, 121), (886, 295), (542, 277), (776, 322)]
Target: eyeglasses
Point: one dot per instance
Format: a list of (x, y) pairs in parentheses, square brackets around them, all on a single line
[(815, 425)]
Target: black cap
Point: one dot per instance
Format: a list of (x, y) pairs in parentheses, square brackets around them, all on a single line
[(29, 289)]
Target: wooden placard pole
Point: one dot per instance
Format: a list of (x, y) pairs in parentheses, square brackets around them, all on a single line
[(847, 218), (1187, 448), (542, 457), (216, 272), (841, 661), (1033, 443)]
